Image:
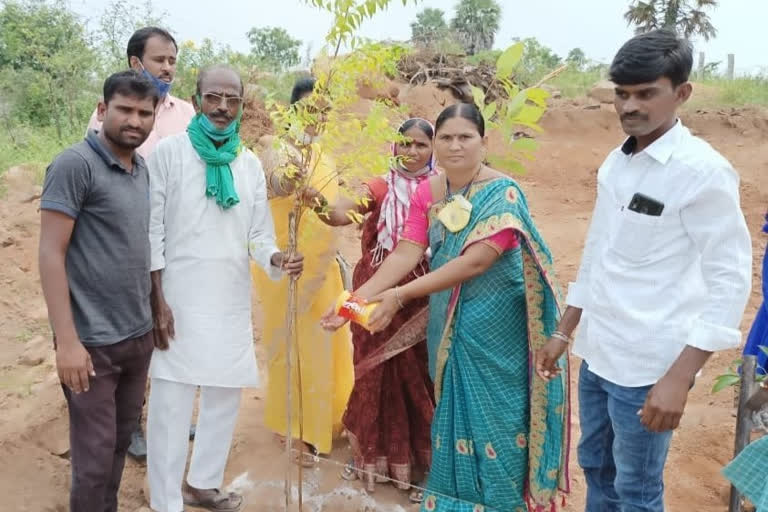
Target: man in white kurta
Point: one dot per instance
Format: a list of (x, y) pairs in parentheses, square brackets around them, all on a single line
[(201, 252)]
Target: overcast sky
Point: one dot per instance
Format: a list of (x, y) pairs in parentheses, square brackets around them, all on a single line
[(596, 26)]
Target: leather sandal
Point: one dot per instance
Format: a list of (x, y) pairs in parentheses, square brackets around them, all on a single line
[(212, 499)]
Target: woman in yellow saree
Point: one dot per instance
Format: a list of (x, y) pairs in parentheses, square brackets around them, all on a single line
[(326, 359)]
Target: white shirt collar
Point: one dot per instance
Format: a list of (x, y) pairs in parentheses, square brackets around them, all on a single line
[(662, 148)]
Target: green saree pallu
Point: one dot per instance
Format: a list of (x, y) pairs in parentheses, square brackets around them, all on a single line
[(500, 434)]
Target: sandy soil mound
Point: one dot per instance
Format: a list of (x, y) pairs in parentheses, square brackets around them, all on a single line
[(256, 122)]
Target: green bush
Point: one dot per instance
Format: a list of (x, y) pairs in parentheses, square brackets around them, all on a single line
[(749, 90), (573, 83), (487, 57), (33, 146)]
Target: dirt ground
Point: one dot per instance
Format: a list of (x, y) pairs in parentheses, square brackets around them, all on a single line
[(560, 184)]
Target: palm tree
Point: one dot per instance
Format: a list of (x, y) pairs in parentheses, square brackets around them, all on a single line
[(686, 17), (476, 24)]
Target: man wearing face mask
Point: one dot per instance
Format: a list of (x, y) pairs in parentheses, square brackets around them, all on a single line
[(152, 51), (209, 217)]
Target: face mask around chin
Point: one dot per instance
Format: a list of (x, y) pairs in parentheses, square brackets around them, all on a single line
[(163, 88)]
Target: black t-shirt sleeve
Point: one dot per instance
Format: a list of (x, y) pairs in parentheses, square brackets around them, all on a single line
[(66, 184)]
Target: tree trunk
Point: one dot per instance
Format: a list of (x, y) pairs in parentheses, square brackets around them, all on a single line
[(672, 13)]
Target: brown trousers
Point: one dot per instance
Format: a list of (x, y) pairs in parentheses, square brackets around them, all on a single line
[(102, 419)]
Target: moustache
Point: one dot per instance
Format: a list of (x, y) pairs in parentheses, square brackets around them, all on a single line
[(132, 129), (634, 117)]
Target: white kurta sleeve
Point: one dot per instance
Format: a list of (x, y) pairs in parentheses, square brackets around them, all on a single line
[(261, 237), (158, 180)]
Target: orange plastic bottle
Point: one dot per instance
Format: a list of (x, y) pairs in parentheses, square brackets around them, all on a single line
[(354, 308)]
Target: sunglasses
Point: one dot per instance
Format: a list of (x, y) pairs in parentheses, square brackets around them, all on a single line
[(213, 99)]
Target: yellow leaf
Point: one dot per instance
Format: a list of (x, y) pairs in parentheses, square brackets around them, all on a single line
[(538, 96), (529, 114)]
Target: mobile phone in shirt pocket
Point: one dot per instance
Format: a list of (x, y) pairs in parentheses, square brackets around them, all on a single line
[(636, 235)]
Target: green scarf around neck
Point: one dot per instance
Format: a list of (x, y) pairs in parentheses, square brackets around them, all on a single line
[(219, 182)]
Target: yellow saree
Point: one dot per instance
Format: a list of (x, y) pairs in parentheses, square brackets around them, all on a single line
[(326, 358)]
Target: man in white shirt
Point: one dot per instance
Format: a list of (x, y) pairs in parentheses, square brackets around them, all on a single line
[(209, 215), (664, 280)]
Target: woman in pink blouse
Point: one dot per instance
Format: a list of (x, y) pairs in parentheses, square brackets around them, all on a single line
[(499, 434)]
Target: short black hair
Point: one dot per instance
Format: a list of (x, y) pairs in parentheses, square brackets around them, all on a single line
[(647, 57), (138, 41), (418, 122), (217, 67), (468, 111), (302, 87), (129, 83)]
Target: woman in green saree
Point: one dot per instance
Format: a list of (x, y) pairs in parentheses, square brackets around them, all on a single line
[(500, 434)]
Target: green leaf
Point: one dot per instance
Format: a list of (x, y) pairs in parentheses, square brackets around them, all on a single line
[(532, 126), (491, 125), (516, 105), (489, 111), (509, 60), (538, 96), (506, 164), (724, 381), (479, 96), (525, 144), (510, 88), (529, 114)]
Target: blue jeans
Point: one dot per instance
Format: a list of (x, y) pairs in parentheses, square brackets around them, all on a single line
[(622, 461)]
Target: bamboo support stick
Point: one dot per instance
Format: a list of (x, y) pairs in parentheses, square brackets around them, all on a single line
[(290, 324), (743, 421), (294, 219), (551, 75)]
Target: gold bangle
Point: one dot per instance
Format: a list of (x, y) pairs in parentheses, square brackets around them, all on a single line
[(562, 337)]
